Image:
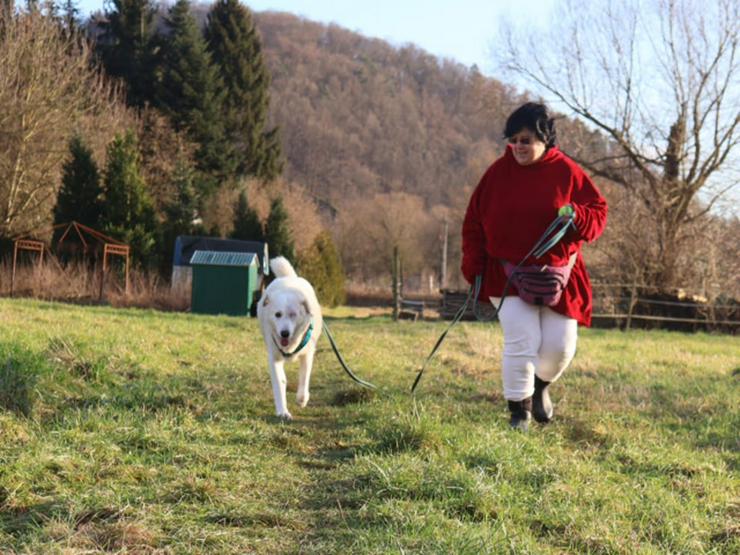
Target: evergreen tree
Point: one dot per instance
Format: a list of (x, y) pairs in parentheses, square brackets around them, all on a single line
[(322, 266), (128, 47), (180, 213), (79, 198), (128, 210), (236, 49), (247, 224), (190, 92), (277, 233)]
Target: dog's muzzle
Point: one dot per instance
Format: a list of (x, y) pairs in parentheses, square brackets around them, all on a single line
[(284, 338)]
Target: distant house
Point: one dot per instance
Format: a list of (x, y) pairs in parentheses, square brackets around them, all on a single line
[(186, 245)]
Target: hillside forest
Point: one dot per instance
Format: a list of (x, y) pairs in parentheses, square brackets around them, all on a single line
[(149, 121)]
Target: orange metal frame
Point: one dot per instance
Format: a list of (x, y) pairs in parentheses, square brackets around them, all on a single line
[(111, 247), (117, 250), (25, 245)]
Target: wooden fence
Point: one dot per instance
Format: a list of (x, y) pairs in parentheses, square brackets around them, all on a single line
[(627, 306), (633, 305)]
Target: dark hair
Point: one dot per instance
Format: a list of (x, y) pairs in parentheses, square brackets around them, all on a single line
[(534, 116)]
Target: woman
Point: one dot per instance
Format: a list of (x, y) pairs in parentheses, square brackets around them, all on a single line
[(516, 200)]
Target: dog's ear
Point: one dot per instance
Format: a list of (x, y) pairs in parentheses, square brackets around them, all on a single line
[(305, 306), (265, 300)]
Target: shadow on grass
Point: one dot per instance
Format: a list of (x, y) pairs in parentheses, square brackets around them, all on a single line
[(352, 397), (21, 522), (263, 519), (582, 433), (19, 372)]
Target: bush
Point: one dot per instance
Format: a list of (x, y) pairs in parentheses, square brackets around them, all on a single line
[(322, 266)]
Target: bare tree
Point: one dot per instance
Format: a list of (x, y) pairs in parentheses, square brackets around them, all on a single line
[(658, 78), (370, 230), (48, 89)]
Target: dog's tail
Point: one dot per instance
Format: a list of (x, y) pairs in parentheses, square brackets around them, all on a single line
[(282, 268)]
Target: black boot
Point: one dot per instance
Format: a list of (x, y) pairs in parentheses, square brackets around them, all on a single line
[(541, 404), (521, 414)]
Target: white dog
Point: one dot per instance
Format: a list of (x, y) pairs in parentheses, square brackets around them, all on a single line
[(291, 322)]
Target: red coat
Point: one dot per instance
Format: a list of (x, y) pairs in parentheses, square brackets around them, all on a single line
[(509, 211)]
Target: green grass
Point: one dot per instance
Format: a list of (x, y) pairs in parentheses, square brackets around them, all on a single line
[(132, 431)]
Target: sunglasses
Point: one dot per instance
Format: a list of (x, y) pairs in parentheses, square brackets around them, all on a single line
[(521, 141)]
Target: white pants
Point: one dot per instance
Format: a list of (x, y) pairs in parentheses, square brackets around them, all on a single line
[(537, 340)]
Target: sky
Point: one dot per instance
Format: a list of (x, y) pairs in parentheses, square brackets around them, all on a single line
[(461, 30)]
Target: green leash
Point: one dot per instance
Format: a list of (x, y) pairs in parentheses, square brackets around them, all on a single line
[(346, 368), (558, 228)]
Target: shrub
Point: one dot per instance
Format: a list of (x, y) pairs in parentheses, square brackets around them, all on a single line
[(322, 266), (277, 231)]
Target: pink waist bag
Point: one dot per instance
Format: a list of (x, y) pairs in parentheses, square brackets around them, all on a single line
[(540, 285)]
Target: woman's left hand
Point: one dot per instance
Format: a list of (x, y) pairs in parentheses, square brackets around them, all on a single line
[(566, 210)]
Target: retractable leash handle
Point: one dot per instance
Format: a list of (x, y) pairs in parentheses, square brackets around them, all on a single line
[(559, 227)]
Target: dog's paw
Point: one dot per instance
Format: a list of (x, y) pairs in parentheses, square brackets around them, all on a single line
[(285, 416), (302, 398)]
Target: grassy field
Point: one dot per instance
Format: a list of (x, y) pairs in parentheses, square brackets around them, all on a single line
[(132, 431)]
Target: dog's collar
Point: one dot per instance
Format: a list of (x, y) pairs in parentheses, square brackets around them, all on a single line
[(304, 342)]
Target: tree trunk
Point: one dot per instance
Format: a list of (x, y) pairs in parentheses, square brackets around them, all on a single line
[(669, 250)]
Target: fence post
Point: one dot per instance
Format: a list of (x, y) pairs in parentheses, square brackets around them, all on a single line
[(103, 272), (15, 261), (396, 277), (633, 302), (443, 269)]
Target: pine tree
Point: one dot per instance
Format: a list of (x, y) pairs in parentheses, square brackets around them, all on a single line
[(180, 213), (128, 210), (128, 47), (247, 224), (190, 95), (277, 233), (236, 48), (79, 198)]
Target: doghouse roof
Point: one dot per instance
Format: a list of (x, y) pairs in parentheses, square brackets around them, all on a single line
[(186, 245), (214, 258)]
